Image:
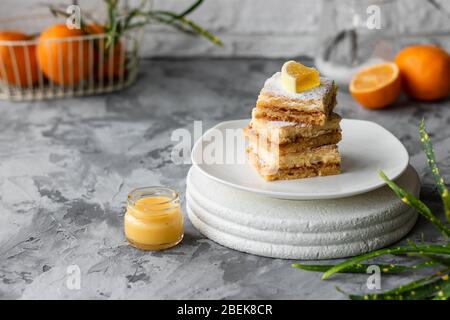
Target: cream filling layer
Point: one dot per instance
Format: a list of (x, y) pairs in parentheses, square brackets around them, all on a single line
[(275, 160), (278, 131)]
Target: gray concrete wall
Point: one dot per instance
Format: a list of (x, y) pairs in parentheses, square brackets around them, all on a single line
[(268, 28)]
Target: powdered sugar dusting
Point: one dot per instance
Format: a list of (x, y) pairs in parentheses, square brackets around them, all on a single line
[(332, 123), (280, 124), (273, 86)]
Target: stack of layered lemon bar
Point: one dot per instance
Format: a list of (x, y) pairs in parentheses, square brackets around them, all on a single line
[(294, 131)]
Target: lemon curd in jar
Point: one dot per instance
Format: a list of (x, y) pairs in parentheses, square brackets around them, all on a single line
[(153, 220)]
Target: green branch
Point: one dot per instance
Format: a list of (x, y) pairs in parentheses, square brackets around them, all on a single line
[(362, 268), (187, 22), (426, 287), (444, 249), (442, 189), (435, 286), (119, 21), (190, 9), (421, 207)]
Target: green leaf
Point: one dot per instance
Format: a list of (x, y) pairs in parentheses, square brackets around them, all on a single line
[(416, 290), (444, 249), (438, 259), (191, 24), (435, 286), (428, 148), (362, 268), (136, 13), (421, 207), (190, 9), (112, 27), (120, 21), (414, 284), (444, 293)]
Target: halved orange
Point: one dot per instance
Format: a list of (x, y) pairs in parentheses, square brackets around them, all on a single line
[(377, 86)]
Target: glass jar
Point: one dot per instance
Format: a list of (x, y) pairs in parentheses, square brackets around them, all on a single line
[(153, 220), (354, 34)]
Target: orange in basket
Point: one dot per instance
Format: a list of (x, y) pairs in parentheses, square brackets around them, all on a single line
[(18, 64), (63, 55), (377, 86), (113, 58)]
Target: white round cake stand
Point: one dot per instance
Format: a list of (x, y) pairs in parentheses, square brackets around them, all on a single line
[(307, 230)]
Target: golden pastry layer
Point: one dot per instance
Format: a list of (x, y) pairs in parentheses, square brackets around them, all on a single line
[(301, 145), (275, 113), (273, 161), (283, 132), (318, 169)]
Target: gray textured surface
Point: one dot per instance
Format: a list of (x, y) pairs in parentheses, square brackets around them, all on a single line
[(67, 165)]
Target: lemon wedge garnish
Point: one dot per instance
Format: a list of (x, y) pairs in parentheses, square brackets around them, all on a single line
[(296, 77)]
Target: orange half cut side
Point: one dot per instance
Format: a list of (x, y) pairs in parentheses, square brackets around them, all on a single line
[(377, 86)]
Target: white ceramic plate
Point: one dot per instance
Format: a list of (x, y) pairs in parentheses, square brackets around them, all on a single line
[(365, 149)]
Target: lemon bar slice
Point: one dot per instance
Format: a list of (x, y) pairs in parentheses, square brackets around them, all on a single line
[(311, 106)]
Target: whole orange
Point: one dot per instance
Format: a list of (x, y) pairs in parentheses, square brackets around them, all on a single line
[(18, 64), (113, 58), (425, 72), (63, 55)]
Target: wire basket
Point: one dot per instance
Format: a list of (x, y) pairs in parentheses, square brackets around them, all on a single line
[(51, 68)]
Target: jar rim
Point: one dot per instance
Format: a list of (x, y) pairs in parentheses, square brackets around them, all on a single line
[(152, 191)]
